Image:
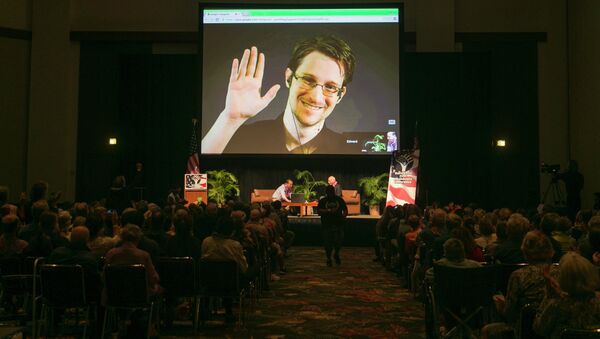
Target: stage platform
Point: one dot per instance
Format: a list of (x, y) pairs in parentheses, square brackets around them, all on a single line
[(359, 230)]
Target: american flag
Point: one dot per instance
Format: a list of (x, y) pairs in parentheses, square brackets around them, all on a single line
[(404, 170), (193, 163)]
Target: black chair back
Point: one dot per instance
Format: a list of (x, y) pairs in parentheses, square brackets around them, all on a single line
[(177, 276), (464, 287), (11, 266), (503, 274), (571, 333), (126, 286), (219, 278), (528, 312), (63, 285)]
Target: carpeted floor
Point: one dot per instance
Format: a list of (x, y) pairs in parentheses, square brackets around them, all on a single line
[(358, 299)]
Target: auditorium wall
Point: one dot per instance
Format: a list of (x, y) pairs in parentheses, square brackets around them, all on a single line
[(45, 119)]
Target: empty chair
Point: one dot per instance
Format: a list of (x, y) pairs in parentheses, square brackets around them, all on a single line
[(503, 273), (222, 279), (63, 287), (126, 289), (462, 294), (179, 280), (571, 333)]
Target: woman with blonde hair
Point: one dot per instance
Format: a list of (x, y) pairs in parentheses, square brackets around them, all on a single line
[(572, 301)]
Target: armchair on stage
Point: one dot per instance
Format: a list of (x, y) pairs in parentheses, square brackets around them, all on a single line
[(261, 196), (351, 197)]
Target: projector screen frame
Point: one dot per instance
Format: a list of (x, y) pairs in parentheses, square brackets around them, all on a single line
[(400, 129)]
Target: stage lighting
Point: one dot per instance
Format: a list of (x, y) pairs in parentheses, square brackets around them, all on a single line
[(501, 143), (112, 141)]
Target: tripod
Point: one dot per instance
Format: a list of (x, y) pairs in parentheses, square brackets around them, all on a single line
[(555, 191)]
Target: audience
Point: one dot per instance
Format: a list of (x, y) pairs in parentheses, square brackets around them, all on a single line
[(76, 252), (183, 243), (525, 285), (572, 301), (251, 235), (454, 256), (128, 253), (10, 245), (509, 251)]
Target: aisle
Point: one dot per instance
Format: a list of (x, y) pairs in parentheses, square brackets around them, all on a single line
[(358, 299)]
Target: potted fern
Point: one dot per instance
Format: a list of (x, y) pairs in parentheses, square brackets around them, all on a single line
[(307, 184), (222, 184), (374, 191)]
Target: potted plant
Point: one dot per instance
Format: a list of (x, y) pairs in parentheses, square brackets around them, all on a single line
[(307, 184), (374, 191), (222, 184)]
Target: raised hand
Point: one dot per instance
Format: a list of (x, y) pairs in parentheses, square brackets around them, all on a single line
[(244, 99)]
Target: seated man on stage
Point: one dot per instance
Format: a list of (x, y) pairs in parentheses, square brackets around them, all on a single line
[(284, 192)]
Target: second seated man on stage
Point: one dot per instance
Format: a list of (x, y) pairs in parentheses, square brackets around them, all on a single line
[(333, 212)]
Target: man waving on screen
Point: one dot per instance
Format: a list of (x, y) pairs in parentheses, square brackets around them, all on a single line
[(316, 75)]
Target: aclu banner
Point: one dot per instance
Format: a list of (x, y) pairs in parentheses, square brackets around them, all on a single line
[(402, 184)]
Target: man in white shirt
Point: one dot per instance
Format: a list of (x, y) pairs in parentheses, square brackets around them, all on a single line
[(284, 192)]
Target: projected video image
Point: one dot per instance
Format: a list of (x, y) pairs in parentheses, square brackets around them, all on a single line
[(300, 81)]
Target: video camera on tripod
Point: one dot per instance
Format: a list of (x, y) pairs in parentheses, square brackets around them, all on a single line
[(550, 168), (553, 189)]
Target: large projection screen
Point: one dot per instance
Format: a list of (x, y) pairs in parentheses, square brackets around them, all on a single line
[(277, 80)]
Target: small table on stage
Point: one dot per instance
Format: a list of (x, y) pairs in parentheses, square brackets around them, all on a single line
[(303, 206)]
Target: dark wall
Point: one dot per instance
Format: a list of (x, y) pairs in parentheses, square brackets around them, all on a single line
[(462, 102)]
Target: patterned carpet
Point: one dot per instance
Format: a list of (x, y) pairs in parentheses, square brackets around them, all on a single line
[(358, 299)]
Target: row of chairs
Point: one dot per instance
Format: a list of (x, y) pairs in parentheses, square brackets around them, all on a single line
[(62, 287), (465, 297)]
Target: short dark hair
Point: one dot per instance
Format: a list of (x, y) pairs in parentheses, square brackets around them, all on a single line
[(328, 45)]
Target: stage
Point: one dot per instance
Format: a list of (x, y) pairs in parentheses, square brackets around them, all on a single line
[(359, 230)]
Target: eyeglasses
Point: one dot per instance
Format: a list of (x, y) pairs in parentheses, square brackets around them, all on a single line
[(308, 82)]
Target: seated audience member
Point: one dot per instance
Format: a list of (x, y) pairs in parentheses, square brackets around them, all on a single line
[(183, 244), (581, 223), (572, 301), (10, 245), (256, 226), (80, 209), (7, 209), (3, 195), (427, 237), (595, 245), (486, 229), (128, 253), (37, 208), (78, 253), (288, 236), (156, 229), (47, 238), (548, 225), (525, 285), (220, 247), (452, 221), (561, 235), (132, 216), (454, 256), (509, 251), (207, 224), (472, 251), (500, 238), (98, 243), (64, 224), (584, 246)]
